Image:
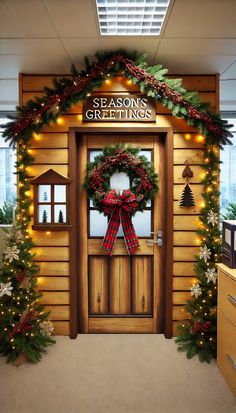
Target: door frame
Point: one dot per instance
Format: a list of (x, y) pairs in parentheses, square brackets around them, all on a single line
[(167, 134)]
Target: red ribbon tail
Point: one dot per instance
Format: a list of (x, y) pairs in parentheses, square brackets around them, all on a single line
[(131, 239), (112, 231)]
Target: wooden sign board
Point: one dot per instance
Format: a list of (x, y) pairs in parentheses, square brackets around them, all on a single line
[(119, 108)]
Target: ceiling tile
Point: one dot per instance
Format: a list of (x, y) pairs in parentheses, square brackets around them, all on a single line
[(194, 64), (205, 18), (24, 18), (73, 18), (79, 49), (32, 46), (131, 43), (224, 47), (12, 65), (195, 56)]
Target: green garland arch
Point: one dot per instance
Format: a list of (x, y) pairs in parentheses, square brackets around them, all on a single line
[(198, 334)]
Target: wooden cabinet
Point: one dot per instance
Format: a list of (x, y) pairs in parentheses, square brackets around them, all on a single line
[(226, 351)]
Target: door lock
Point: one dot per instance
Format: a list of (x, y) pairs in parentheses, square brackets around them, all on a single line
[(157, 239)]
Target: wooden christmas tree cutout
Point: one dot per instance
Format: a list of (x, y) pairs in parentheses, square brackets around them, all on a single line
[(187, 199)]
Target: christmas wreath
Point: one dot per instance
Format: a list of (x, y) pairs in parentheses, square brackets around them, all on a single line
[(119, 207)]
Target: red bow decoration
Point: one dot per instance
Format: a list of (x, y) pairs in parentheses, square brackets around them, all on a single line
[(120, 208)]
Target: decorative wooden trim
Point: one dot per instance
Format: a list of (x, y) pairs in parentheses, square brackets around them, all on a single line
[(52, 227), (167, 280), (169, 235), (73, 264)]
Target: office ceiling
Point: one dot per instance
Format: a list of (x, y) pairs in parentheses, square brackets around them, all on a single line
[(46, 36)]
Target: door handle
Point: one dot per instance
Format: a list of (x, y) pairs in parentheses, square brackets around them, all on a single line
[(157, 239)]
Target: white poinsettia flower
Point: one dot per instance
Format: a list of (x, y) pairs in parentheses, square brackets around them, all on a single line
[(5, 289), (205, 253), (196, 290), (211, 275), (12, 253), (212, 218)]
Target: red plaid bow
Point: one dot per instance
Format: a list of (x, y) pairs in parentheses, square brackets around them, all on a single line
[(120, 208)]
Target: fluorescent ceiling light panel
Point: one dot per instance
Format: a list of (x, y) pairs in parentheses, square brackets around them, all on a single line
[(131, 17)]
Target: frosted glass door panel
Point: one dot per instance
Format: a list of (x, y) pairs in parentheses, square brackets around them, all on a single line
[(60, 213), (119, 181), (142, 223), (60, 193), (147, 153), (44, 193), (93, 154), (44, 212), (98, 224)]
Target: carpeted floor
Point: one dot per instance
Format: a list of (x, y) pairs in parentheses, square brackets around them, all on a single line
[(114, 374)]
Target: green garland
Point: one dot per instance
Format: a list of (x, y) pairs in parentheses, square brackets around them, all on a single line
[(199, 334), (123, 159)]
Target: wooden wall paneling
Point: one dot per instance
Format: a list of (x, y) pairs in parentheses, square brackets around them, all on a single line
[(187, 141), (120, 284), (195, 210), (175, 325), (58, 312), (51, 253), (50, 140), (53, 283), (186, 223), (62, 328), (55, 297), (142, 285), (183, 269), (31, 96), (50, 238), (193, 156), (198, 174), (36, 170), (179, 313), (98, 285), (183, 283), (186, 238), (200, 83), (53, 269), (38, 82), (180, 297), (185, 253), (50, 156)]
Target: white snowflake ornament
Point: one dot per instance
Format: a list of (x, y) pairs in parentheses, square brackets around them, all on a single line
[(12, 253), (212, 218), (5, 289), (204, 253), (47, 328), (196, 290), (211, 275)]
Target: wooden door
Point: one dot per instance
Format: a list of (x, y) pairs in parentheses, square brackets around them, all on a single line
[(122, 293)]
